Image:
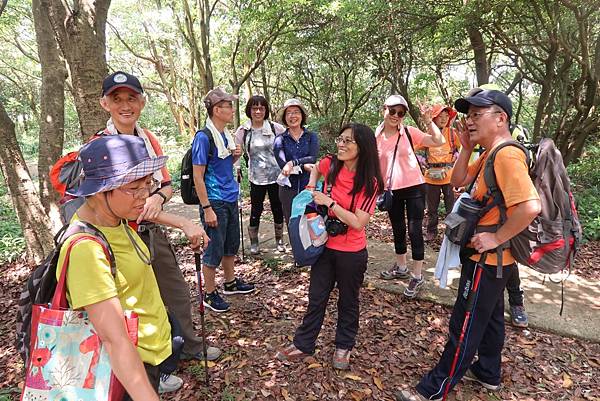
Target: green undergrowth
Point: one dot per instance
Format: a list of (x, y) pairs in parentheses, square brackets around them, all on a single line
[(585, 175), (12, 243)]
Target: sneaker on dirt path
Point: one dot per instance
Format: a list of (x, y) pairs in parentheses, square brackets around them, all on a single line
[(395, 273), (237, 286), (169, 383), (290, 353), (213, 353), (214, 302), (341, 359), (518, 316), (414, 285), (411, 395), (469, 375)]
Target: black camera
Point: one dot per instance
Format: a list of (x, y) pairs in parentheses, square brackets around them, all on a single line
[(335, 227)]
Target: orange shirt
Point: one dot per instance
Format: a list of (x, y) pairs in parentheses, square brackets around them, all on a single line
[(443, 154), (512, 176)]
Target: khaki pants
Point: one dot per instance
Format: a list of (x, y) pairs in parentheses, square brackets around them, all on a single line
[(174, 290)]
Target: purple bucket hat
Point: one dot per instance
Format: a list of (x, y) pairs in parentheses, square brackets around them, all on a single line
[(112, 161)]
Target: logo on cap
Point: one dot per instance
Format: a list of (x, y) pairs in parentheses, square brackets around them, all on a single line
[(120, 78)]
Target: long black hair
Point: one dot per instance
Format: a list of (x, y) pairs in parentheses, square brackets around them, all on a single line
[(368, 172)]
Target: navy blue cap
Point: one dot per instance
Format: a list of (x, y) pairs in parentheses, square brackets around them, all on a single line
[(120, 79), (485, 98)]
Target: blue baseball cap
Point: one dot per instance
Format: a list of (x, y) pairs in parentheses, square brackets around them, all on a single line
[(120, 79), (112, 161), (483, 98)]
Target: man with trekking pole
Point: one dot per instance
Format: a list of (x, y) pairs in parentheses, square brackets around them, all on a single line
[(477, 320), (213, 154)]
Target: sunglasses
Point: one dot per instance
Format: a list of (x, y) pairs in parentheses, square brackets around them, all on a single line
[(401, 112)]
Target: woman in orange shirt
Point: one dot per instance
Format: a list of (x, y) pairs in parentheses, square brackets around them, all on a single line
[(439, 167)]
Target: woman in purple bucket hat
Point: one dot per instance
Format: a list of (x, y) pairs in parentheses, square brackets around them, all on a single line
[(117, 179)]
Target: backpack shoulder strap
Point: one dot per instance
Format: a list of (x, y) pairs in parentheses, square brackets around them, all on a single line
[(211, 141), (83, 227), (489, 177)]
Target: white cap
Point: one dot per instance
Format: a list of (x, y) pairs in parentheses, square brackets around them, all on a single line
[(396, 100)]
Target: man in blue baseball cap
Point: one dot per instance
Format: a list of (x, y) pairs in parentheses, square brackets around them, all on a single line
[(479, 306), (123, 97)]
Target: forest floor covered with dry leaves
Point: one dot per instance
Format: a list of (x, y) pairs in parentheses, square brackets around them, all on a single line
[(399, 340)]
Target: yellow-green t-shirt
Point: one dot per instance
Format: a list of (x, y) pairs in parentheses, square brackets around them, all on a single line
[(89, 281)]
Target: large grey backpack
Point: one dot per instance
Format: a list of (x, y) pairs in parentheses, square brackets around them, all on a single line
[(550, 242)]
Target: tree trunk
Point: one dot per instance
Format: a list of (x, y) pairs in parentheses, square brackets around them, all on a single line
[(52, 106), (479, 55), (79, 27), (36, 226)]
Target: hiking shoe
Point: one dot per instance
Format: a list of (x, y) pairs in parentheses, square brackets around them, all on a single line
[(411, 395), (290, 353), (341, 359), (214, 302), (237, 286), (212, 354), (414, 285), (518, 316), (169, 383), (280, 246), (469, 375), (395, 273)]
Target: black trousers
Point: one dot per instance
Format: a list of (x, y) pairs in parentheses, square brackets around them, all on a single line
[(484, 335), (408, 204), (286, 196), (433, 203), (513, 287), (153, 375), (257, 200), (347, 269)]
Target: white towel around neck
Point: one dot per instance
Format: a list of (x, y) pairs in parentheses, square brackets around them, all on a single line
[(222, 151)]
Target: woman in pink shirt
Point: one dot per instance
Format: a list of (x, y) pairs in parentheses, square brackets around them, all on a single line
[(401, 172)]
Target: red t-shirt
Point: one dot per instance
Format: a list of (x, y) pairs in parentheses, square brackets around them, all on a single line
[(354, 240)]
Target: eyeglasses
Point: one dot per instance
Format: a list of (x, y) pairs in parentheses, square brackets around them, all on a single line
[(224, 105), (401, 112), (346, 141), (476, 115), (256, 109), (144, 192), (293, 113)]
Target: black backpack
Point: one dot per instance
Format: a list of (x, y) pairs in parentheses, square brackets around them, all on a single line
[(41, 284), (246, 144), (188, 190)]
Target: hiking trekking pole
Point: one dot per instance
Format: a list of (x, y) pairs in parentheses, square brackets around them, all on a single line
[(469, 310), (239, 180), (198, 261)]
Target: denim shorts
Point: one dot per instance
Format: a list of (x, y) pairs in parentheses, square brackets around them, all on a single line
[(225, 238)]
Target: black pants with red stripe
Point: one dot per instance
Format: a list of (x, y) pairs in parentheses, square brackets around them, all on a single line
[(484, 335)]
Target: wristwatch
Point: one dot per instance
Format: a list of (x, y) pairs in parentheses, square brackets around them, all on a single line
[(332, 204), (206, 206), (163, 196)]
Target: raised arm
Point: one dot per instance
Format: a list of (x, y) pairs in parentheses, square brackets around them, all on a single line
[(460, 176), (434, 136)]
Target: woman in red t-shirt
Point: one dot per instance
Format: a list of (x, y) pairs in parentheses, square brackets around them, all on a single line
[(355, 180)]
